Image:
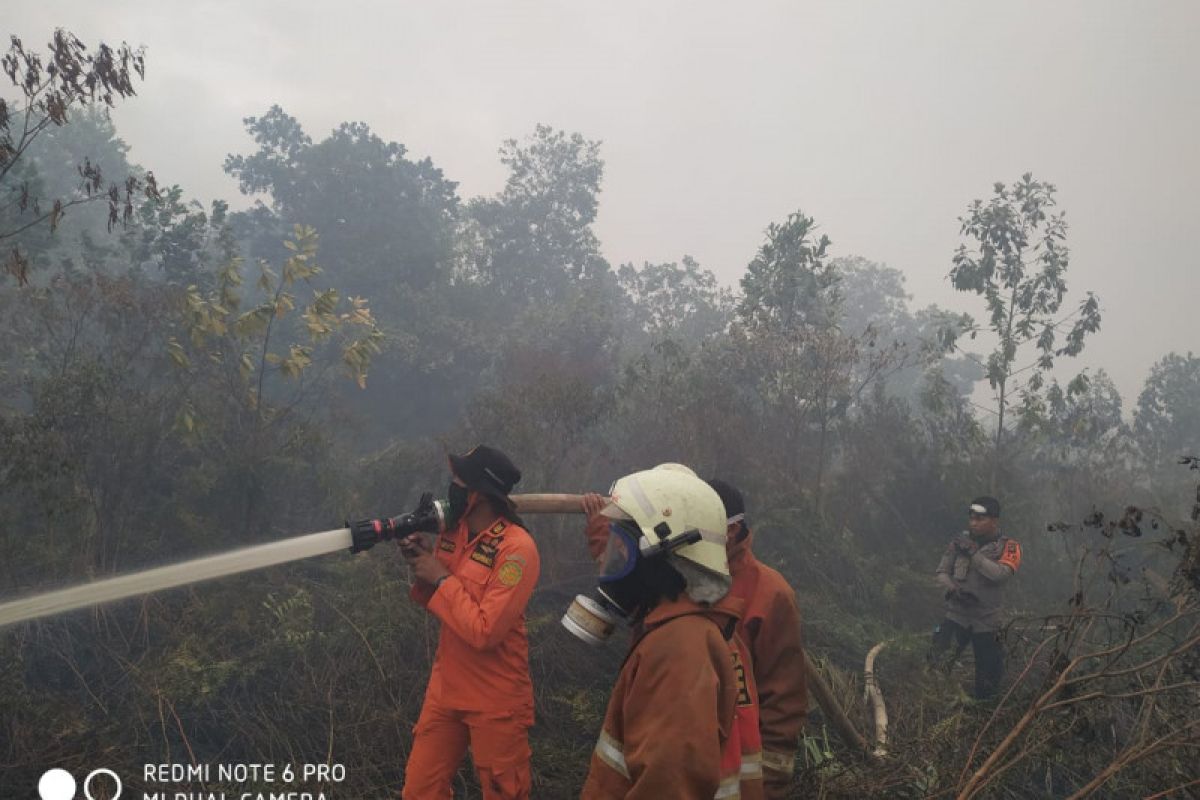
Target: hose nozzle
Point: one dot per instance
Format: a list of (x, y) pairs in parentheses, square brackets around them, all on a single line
[(428, 517)]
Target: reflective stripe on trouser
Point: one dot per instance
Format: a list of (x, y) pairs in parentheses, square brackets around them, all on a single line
[(752, 766), (779, 762), (730, 789)]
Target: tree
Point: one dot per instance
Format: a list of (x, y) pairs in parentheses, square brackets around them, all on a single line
[(386, 221), (811, 371), (1017, 262), (1081, 445), (680, 301), (789, 284), (1167, 419), (68, 77), (535, 238)]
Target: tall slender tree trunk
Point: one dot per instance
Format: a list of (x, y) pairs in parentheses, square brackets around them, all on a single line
[(1008, 360)]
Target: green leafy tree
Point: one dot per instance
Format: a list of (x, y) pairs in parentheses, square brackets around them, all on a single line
[(1167, 419), (1016, 259), (790, 284), (386, 221), (679, 301), (811, 372), (250, 337), (535, 238)]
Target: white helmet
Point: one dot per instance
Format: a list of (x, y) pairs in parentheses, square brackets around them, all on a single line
[(672, 495)]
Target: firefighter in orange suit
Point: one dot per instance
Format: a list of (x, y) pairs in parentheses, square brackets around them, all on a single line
[(670, 727), (476, 579), (769, 629)]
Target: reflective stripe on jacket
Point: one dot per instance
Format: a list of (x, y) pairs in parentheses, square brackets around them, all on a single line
[(671, 711), (771, 629)]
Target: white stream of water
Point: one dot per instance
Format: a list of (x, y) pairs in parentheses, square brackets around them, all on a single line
[(152, 580)]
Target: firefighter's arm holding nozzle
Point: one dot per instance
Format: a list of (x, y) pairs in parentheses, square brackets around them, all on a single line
[(424, 564)]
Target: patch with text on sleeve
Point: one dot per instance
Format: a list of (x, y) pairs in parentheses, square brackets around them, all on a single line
[(485, 553), (1011, 557), (743, 693)]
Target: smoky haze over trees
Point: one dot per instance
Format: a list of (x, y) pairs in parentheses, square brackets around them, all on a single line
[(178, 379)]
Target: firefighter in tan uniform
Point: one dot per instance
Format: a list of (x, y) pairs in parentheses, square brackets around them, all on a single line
[(770, 632), (670, 729)]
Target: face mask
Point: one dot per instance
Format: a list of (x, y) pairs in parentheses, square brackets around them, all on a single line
[(630, 582), (456, 497)]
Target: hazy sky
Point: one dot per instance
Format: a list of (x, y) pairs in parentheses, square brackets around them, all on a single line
[(883, 120)]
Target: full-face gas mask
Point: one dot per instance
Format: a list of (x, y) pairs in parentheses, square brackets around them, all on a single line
[(655, 513), (634, 573)]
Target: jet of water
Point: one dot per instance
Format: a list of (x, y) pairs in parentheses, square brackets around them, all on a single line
[(152, 580)]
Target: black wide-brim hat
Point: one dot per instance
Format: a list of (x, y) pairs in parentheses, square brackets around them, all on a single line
[(487, 470)]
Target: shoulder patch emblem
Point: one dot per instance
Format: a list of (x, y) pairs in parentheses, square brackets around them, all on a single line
[(498, 528), (1011, 557), (510, 573), (446, 544)]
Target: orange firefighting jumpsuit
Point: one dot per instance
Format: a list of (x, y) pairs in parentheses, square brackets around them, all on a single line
[(770, 626), (670, 718), (742, 752), (479, 691)]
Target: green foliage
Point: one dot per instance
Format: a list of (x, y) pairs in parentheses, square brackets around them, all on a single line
[(171, 392), (789, 285), (536, 236), (1017, 263), (216, 325), (1167, 419), (386, 220)]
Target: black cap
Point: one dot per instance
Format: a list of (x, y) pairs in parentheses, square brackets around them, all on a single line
[(487, 470), (730, 497), (990, 506)]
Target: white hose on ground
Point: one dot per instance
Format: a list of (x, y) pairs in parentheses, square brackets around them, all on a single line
[(875, 698)]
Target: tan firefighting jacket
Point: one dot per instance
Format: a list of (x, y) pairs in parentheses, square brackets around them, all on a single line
[(771, 627), (672, 709)]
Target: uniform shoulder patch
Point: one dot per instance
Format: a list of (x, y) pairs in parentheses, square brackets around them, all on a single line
[(498, 528), (510, 573), (446, 544), (1011, 557)]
